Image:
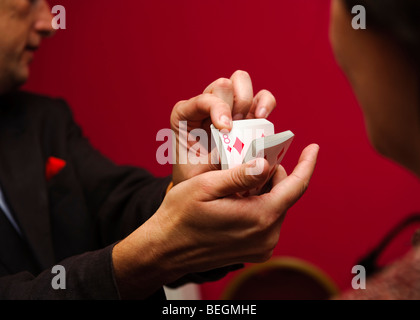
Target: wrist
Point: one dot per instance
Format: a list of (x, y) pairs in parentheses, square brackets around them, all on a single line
[(140, 263)]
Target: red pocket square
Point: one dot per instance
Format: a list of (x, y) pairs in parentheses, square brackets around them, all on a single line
[(53, 167)]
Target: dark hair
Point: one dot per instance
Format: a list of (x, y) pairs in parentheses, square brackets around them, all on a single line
[(400, 19)]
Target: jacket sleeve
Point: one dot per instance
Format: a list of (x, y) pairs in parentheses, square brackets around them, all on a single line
[(88, 276)]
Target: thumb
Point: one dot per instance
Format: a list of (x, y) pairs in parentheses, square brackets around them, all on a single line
[(248, 176), (289, 190)]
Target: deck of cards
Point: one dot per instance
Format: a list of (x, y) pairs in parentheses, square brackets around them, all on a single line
[(251, 139)]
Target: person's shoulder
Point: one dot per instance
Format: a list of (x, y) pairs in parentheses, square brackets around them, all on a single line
[(36, 100), (41, 104)]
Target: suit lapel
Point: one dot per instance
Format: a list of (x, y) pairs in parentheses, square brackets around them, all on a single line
[(15, 255), (22, 175)]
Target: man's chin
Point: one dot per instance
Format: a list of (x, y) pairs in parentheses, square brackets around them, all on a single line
[(13, 84), (22, 76)]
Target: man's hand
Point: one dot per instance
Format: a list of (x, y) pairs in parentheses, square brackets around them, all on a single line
[(221, 102), (204, 223)]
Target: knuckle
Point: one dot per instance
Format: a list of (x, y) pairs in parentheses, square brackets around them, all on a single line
[(204, 101), (177, 109), (241, 180), (223, 83), (179, 103), (203, 97)]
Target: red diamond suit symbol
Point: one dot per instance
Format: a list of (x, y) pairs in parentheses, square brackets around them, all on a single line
[(238, 145)]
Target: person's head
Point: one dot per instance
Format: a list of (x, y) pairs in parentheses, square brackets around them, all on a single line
[(382, 63), (23, 24)]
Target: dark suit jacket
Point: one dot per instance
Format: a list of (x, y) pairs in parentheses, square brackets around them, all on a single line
[(73, 219)]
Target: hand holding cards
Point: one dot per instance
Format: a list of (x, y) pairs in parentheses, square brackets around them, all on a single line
[(251, 139)]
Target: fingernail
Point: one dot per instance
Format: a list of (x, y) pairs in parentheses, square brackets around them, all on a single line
[(262, 113), (226, 121)]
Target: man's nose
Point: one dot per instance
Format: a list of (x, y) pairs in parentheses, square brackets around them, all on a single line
[(43, 22)]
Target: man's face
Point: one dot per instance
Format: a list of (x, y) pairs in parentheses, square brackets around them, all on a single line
[(385, 83), (23, 24)]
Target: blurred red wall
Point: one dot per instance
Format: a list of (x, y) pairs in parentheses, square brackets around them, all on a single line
[(122, 65)]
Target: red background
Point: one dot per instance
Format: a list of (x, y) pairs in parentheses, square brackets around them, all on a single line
[(123, 65)]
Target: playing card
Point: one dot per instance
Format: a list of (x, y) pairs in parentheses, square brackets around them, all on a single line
[(273, 149), (234, 145), (248, 140)]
